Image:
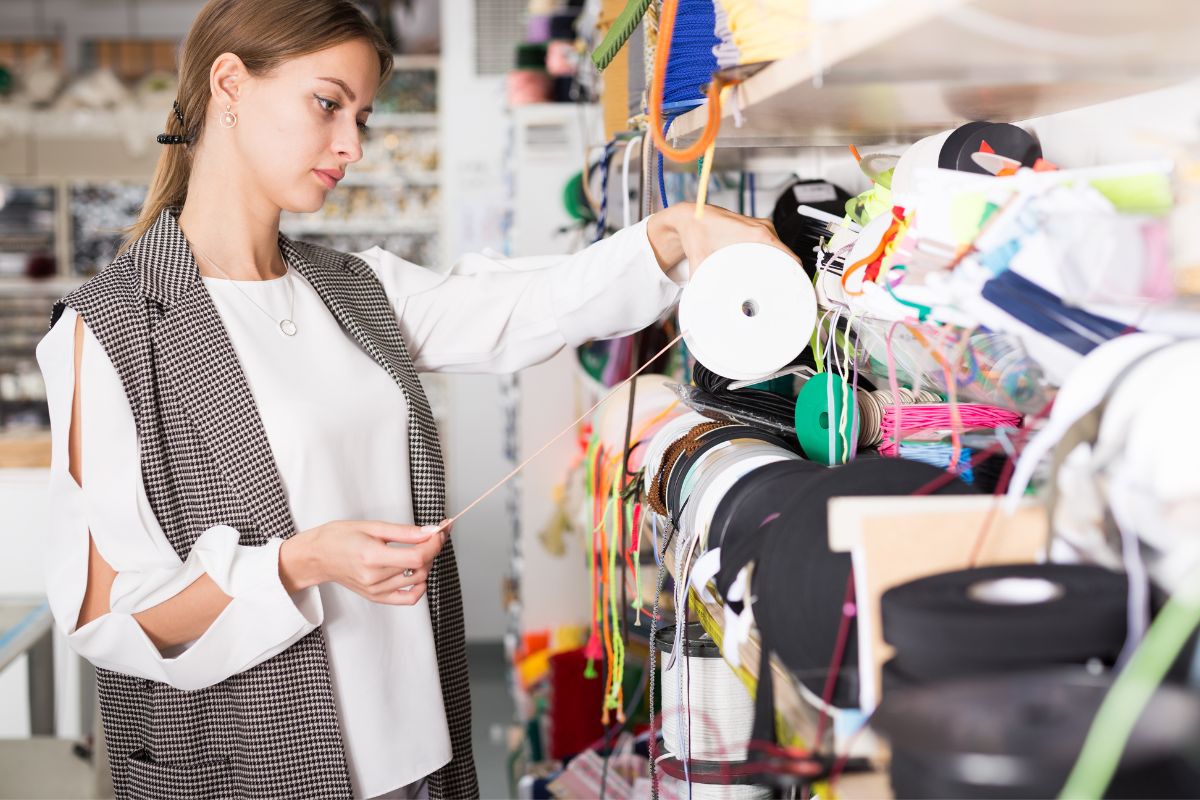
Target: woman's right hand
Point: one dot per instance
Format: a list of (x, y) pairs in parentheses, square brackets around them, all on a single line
[(358, 554)]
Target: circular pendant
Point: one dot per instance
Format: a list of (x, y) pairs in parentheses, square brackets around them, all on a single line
[(288, 327)]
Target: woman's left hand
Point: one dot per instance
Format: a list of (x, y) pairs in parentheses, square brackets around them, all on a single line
[(675, 233)]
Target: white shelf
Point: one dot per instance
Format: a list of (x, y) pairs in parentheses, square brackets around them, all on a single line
[(914, 67), (16, 285), (406, 63), (414, 225), (403, 119)]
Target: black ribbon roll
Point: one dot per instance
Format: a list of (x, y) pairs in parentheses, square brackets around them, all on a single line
[(800, 584), (1004, 139), (1019, 735), (707, 442), (1004, 618), (802, 233), (737, 524), (696, 641), (760, 402)]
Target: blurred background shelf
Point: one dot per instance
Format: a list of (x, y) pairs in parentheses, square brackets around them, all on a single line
[(403, 119), (906, 70), (72, 178), (416, 178), (301, 226)]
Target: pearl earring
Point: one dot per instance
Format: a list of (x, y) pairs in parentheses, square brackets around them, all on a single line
[(228, 118)]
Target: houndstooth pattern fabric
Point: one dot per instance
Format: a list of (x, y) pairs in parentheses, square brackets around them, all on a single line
[(362, 308), (271, 731)]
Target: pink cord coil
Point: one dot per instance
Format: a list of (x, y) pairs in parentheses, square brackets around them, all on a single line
[(909, 420)]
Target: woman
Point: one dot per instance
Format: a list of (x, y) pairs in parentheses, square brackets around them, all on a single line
[(246, 476)]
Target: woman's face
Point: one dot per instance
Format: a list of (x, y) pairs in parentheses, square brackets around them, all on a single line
[(302, 120)]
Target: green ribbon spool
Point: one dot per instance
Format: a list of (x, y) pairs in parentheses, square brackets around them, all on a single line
[(815, 415), (575, 201)]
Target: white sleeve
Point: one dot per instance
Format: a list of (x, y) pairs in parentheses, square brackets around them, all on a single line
[(490, 314), (261, 620)]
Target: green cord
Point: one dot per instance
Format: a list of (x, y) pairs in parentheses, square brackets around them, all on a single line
[(923, 311), (622, 28), (1130, 693)]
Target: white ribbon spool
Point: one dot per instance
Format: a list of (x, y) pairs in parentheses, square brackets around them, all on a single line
[(720, 477), (748, 311), (673, 789), (922, 155), (721, 709), (699, 468)]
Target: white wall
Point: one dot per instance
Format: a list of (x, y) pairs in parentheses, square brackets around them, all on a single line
[(1160, 124), (473, 204), (476, 141)]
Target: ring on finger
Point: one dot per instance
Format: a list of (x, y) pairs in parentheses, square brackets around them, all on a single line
[(408, 573)]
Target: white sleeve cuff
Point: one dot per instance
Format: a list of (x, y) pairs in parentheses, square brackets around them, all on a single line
[(113, 511), (262, 619)]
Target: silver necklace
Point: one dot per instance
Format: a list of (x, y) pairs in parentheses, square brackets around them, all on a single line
[(286, 325)]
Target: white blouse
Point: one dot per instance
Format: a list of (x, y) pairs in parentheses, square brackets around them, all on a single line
[(337, 426)]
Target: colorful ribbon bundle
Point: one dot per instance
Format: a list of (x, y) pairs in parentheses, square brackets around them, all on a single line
[(615, 518)]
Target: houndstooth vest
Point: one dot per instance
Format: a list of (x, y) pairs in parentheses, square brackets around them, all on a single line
[(271, 731)]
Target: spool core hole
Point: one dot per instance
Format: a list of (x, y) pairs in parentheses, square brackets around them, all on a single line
[(1015, 591)]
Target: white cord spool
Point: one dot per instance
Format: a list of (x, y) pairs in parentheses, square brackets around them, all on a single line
[(747, 311), (671, 789), (701, 468), (720, 476), (672, 786), (719, 707)]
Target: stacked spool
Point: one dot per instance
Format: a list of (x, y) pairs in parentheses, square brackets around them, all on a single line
[(1002, 619), (1018, 736), (705, 708)]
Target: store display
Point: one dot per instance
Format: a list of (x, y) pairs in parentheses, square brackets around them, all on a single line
[(1007, 306), (27, 227), (408, 91), (951, 301), (99, 212)]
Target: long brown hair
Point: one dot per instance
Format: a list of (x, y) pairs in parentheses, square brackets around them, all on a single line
[(264, 34)]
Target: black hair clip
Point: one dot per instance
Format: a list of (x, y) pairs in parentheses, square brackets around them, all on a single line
[(175, 138)]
